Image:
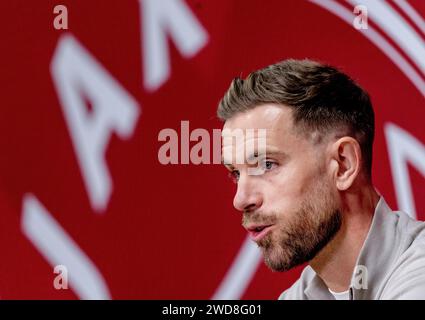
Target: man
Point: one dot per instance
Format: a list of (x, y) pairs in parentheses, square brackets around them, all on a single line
[(314, 200)]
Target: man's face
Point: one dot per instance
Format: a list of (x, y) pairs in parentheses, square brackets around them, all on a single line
[(291, 210)]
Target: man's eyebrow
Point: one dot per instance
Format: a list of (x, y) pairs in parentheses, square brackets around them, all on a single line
[(255, 155), (267, 153)]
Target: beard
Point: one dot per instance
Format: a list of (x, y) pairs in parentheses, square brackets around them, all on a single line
[(302, 236)]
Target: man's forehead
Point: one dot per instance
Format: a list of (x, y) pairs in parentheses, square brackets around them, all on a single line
[(269, 122), (254, 133)]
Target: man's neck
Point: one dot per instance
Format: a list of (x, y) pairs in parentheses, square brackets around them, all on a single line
[(336, 262)]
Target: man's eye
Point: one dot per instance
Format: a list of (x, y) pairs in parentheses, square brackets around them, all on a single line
[(234, 175), (268, 164)]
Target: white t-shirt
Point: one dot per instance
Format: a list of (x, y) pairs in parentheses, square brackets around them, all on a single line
[(344, 295)]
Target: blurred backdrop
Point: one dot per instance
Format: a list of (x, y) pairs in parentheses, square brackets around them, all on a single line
[(86, 87)]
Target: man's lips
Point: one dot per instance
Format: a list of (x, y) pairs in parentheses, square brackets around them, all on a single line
[(257, 232)]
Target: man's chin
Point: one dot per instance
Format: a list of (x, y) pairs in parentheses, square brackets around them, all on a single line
[(275, 261), (278, 266)]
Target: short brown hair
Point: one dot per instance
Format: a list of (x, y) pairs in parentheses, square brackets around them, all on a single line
[(322, 99)]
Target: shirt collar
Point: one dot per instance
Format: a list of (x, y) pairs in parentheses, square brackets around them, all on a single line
[(379, 250), (373, 262)]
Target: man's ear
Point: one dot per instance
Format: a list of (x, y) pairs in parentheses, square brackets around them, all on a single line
[(346, 157)]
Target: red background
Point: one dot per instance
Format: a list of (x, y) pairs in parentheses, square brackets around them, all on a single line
[(168, 231)]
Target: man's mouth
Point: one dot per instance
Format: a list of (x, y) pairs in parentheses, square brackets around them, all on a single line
[(257, 232)]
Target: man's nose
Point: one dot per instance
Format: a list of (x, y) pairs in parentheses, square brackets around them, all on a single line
[(247, 197)]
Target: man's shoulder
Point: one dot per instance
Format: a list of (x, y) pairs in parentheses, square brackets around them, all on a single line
[(296, 291), (407, 279), (412, 243)]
